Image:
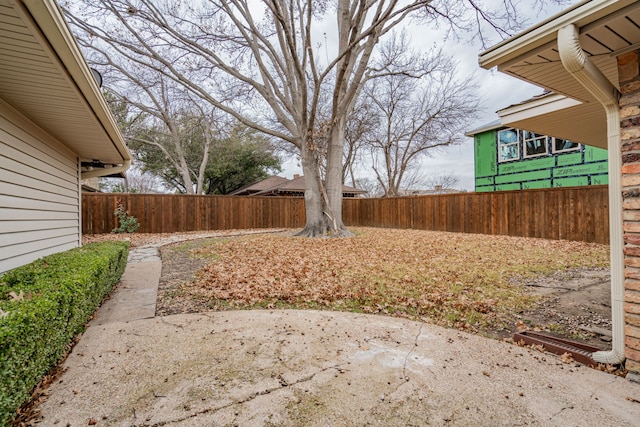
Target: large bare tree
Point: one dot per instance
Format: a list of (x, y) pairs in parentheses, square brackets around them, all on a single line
[(260, 61)]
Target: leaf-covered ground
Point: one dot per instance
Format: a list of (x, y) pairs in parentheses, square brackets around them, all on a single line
[(453, 279)]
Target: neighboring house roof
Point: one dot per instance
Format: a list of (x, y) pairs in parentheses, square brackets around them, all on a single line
[(256, 187), (277, 185), (45, 77), (607, 28)]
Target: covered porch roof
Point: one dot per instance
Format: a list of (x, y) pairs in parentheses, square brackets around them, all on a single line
[(607, 28), (44, 76)]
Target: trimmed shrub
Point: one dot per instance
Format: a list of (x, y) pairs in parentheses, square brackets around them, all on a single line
[(43, 306), (128, 223)]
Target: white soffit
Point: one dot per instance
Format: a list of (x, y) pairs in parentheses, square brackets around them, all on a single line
[(566, 123), (44, 76), (557, 115), (607, 28)]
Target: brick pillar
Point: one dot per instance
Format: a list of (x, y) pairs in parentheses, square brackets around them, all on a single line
[(629, 77)]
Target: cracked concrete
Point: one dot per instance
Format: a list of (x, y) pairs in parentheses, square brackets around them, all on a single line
[(313, 368)]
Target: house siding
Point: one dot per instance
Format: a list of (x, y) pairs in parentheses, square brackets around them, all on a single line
[(39, 192), (584, 165)]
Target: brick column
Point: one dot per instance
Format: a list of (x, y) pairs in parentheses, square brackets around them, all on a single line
[(629, 77)]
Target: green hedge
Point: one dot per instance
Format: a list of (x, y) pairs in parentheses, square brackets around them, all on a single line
[(59, 294)]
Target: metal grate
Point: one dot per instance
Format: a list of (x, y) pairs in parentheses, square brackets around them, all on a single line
[(579, 351)]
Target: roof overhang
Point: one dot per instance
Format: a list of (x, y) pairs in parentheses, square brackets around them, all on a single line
[(607, 28), (496, 124), (557, 115), (44, 75)]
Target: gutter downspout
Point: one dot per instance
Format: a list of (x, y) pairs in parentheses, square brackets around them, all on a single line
[(582, 69), (104, 172)]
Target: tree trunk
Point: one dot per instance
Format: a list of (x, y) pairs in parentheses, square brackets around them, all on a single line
[(314, 204), (334, 177), (205, 159), (186, 178)]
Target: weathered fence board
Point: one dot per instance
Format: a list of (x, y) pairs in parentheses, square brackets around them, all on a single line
[(577, 213)]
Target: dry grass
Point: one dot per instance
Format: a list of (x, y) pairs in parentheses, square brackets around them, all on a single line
[(453, 279)]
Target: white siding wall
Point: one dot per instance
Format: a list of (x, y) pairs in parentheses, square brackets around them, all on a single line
[(39, 192)]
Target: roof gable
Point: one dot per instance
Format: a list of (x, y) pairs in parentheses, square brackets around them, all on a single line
[(277, 185)]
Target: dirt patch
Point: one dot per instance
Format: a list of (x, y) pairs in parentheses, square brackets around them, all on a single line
[(179, 267), (574, 304)]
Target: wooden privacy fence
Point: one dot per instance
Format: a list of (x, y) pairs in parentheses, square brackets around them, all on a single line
[(169, 213), (577, 213)]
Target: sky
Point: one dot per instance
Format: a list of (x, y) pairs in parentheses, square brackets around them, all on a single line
[(496, 91)]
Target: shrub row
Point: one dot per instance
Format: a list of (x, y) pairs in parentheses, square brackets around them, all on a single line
[(43, 306)]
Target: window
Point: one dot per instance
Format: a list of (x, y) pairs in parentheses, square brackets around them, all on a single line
[(534, 144), (561, 145), (508, 145)]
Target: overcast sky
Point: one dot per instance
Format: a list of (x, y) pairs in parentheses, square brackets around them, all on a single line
[(496, 90)]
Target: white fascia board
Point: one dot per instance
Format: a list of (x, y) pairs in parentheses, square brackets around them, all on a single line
[(546, 31), (496, 124), (534, 108), (49, 18)]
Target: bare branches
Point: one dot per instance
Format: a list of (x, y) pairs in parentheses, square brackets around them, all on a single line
[(254, 61), (489, 21), (420, 108)]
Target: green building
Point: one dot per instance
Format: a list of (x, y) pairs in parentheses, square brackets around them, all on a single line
[(515, 159)]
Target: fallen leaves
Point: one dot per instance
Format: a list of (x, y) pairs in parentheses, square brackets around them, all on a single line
[(567, 358), (13, 297), (454, 279), (16, 297)]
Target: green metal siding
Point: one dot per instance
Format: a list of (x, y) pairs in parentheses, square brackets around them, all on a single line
[(587, 169), (594, 154), (600, 180), (587, 166), (527, 165), (504, 187), (536, 184), (569, 159), (484, 181), (571, 182), (521, 177), (485, 149)]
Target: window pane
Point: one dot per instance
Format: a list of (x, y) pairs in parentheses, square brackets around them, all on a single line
[(564, 145), (534, 144), (509, 145), (509, 152), (508, 136)]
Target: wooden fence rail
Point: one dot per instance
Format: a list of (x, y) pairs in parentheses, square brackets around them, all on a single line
[(577, 213)]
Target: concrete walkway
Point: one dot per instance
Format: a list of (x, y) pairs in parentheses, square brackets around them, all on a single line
[(312, 368), (137, 292)]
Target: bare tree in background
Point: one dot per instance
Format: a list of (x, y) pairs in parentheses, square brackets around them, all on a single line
[(135, 181), (256, 61), (421, 106), (445, 181), (360, 123), (371, 186), (165, 114)]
